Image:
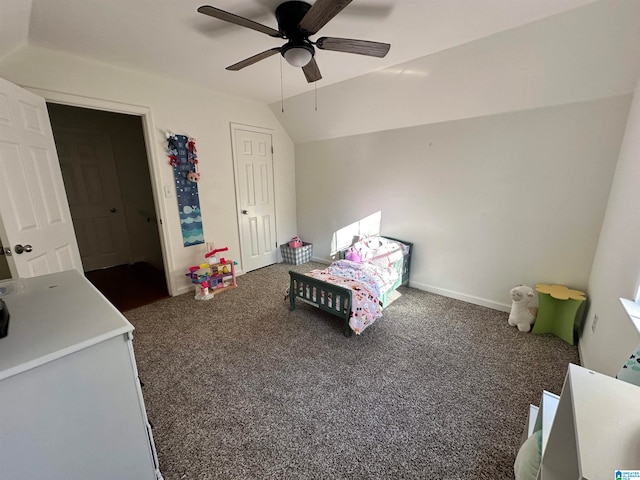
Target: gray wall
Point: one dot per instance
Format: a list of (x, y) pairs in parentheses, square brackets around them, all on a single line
[(616, 268), (584, 54), (489, 202), (500, 154)]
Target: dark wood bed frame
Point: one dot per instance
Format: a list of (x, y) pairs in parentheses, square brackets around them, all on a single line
[(335, 299)]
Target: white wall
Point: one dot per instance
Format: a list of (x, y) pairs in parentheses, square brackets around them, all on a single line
[(181, 108), (616, 267), (489, 202), (464, 168), (583, 54), (14, 24)]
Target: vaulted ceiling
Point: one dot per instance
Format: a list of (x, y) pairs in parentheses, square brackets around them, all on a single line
[(171, 38)]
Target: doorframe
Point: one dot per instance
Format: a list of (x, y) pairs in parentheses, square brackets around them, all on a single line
[(233, 126), (147, 130)]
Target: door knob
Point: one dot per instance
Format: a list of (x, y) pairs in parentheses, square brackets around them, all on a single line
[(19, 249), (245, 212), (113, 210)]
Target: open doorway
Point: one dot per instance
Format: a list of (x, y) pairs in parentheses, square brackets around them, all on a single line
[(106, 175), (5, 274)]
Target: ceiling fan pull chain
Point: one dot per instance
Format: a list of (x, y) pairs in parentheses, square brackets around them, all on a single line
[(315, 91)]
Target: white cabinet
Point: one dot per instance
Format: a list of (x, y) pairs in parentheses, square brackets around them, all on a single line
[(541, 418), (70, 400), (595, 430)]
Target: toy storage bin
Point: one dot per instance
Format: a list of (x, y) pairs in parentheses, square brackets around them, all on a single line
[(297, 255)]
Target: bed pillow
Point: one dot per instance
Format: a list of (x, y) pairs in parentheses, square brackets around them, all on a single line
[(528, 459)]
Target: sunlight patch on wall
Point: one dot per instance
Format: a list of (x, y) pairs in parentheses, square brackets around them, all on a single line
[(406, 72), (344, 237)]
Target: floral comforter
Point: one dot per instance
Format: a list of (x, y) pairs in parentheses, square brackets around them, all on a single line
[(367, 282), (378, 278)]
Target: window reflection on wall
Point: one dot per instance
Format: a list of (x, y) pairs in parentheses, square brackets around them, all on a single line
[(344, 237)]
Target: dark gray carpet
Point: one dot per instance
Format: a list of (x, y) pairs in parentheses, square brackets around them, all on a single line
[(239, 387)]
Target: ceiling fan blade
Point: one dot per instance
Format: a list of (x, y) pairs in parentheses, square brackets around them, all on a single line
[(361, 47), (320, 13), (238, 20), (251, 60), (311, 71)]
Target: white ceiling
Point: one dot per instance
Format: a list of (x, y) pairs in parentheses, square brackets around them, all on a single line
[(169, 36)]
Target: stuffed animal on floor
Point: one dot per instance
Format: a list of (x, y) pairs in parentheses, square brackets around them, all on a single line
[(521, 316)]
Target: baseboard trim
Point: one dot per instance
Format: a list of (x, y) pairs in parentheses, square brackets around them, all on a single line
[(483, 302), (321, 260), (183, 290)]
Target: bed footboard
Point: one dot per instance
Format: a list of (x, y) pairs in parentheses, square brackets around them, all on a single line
[(325, 296)]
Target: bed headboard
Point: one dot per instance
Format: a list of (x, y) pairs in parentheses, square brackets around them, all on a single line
[(406, 266)]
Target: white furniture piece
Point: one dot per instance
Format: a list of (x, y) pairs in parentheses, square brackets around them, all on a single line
[(71, 406), (595, 429), (541, 418)]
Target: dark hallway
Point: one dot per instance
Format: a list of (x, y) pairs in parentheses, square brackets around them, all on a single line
[(130, 286)]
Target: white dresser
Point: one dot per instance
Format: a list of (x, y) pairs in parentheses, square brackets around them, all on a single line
[(591, 431), (70, 400)]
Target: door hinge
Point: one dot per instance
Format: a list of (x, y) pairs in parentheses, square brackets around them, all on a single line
[(271, 149)]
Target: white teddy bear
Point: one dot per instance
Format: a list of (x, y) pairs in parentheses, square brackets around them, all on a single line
[(521, 315)]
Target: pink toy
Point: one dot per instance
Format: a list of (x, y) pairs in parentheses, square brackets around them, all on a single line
[(353, 255), (295, 242), (213, 252), (213, 277)]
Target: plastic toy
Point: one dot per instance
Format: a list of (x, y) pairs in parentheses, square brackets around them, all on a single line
[(353, 255), (200, 275), (295, 242), (215, 276), (213, 253)]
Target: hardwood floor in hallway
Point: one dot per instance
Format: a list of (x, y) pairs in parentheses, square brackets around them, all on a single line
[(130, 286)]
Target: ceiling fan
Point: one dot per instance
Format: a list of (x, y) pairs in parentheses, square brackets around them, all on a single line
[(297, 21)]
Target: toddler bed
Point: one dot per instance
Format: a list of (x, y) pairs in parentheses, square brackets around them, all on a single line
[(358, 286)]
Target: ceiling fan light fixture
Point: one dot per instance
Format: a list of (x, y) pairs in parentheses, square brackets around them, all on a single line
[(298, 55), (297, 21)]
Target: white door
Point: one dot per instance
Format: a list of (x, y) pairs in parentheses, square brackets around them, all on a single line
[(253, 161), (91, 181), (34, 213)]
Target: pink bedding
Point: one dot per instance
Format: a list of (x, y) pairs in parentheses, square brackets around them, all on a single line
[(365, 306), (368, 279)]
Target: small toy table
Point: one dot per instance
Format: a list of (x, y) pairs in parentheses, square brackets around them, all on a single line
[(557, 309)]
